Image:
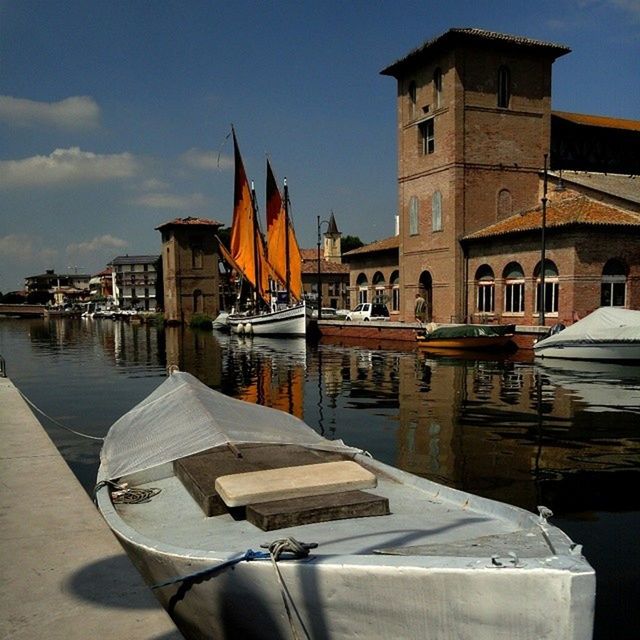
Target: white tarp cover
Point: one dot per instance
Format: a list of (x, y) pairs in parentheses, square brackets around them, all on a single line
[(609, 324), (183, 416)]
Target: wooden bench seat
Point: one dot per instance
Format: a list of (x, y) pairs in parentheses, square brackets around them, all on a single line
[(254, 487)]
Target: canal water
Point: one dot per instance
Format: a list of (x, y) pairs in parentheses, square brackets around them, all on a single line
[(564, 435)]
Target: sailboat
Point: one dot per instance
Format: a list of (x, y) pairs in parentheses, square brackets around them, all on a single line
[(273, 270)]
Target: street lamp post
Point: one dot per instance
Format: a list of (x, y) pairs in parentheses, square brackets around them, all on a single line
[(543, 248), (320, 223)]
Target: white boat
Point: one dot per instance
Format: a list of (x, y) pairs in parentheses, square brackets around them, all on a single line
[(427, 562), (221, 321), (287, 321), (273, 270), (609, 333)]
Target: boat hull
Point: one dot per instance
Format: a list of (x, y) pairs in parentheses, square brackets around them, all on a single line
[(406, 592), (292, 321), (442, 599), (604, 351)]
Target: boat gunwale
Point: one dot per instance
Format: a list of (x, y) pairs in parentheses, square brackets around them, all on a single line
[(561, 544)]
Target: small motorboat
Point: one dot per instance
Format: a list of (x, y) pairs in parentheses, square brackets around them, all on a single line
[(468, 336), (609, 333), (249, 524)]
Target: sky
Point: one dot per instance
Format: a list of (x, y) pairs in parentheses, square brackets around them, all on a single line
[(115, 116)]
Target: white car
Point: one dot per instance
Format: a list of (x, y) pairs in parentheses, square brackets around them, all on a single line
[(369, 311)]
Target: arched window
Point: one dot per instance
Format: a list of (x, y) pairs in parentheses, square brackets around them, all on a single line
[(414, 209), (395, 291), (363, 286), (613, 287), (513, 276), (551, 288), (413, 97), (437, 87), (504, 203), (485, 288), (379, 286), (504, 87), (436, 211)]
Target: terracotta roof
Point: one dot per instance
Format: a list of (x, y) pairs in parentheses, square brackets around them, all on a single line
[(190, 221), (598, 121), (455, 36), (380, 245), (571, 211)]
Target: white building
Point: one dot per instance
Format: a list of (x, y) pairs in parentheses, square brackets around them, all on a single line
[(134, 281)]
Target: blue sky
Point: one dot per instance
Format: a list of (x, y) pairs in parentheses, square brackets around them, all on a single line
[(114, 115)]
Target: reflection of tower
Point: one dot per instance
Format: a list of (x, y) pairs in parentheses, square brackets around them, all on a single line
[(332, 244), (190, 268)]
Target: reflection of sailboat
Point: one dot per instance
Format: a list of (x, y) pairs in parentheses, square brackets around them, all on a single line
[(283, 311), (603, 386), (278, 371)]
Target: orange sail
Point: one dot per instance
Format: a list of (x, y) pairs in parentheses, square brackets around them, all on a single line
[(282, 246), (247, 246)]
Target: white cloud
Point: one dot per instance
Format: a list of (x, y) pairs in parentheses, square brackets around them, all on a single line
[(25, 249), (97, 244), (76, 112), (171, 201), (206, 160), (154, 184), (66, 166)]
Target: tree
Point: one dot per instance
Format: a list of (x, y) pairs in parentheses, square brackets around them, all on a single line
[(348, 243)]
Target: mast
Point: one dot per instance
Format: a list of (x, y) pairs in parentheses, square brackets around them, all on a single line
[(286, 240), (256, 257)]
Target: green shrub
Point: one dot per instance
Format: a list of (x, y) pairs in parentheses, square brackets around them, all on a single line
[(201, 321)]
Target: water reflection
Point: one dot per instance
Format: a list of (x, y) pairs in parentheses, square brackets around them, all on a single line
[(563, 434)]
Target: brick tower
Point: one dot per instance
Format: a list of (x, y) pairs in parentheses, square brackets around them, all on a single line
[(190, 268), (473, 120)]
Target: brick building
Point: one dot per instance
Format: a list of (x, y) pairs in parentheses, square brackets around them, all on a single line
[(474, 126), (190, 268), (375, 275)]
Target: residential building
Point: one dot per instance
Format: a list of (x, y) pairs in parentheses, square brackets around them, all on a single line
[(59, 288), (136, 282), (190, 265), (101, 284)]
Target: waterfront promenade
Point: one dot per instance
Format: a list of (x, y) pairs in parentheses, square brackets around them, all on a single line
[(64, 575)]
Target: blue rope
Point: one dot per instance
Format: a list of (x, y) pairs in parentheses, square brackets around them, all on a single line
[(247, 556)]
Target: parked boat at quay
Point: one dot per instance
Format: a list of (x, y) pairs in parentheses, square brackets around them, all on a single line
[(273, 270), (468, 336), (422, 560), (609, 333)]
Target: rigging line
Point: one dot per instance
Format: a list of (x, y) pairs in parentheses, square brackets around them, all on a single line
[(59, 424), (221, 147)]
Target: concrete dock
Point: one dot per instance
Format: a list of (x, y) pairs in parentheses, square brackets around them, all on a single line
[(64, 574)]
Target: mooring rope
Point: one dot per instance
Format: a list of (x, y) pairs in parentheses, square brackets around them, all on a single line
[(276, 548), (58, 424), (122, 494)]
